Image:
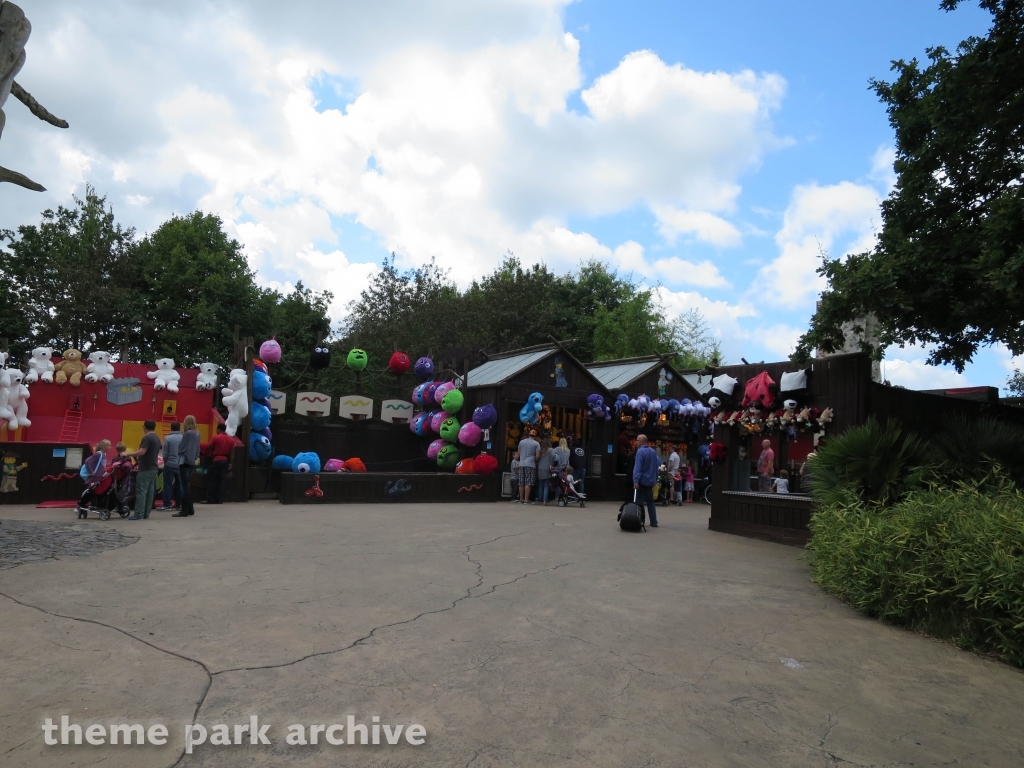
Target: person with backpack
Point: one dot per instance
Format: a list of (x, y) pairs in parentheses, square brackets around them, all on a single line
[(645, 476)]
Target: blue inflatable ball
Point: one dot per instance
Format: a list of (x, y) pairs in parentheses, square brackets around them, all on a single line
[(282, 462), (260, 448), (306, 462), (260, 417), (420, 424), (260, 385), (486, 416)]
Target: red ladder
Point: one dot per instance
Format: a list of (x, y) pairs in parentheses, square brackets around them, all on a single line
[(72, 426)]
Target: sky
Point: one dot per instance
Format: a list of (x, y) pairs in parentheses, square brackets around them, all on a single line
[(713, 151)]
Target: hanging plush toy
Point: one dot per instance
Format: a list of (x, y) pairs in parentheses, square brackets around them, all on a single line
[(530, 412), (453, 401), (511, 435), (825, 417), (17, 400), (760, 390), (99, 368), (420, 424), (622, 401), (357, 360), (485, 464), (71, 369), (259, 448), (270, 351), (436, 417), (596, 409), (723, 387), (282, 462), (448, 457), (470, 434), (261, 385), (40, 366), (435, 447), (486, 416), (718, 452), (449, 430), (399, 363), (165, 377), (260, 418), (5, 390), (442, 389), (424, 368), (465, 467), (320, 358), (306, 463), (207, 379), (235, 398)]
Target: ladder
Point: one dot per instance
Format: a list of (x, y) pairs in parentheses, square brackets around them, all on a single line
[(72, 425)]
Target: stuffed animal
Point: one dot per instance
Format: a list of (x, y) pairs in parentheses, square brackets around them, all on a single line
[(429, 392), (673, 409), (235, 398), (825, 417), (70, 369), (5, 389), (485, 464), (306, 463), (734, 418), (320, 358), (420, 424), (528, 413), (723, 387), (436, 417), (466, 467), (261, 385), (260, 448), (399, 363), (442, 389), (448, 457), (17, 400), (424, 368), (486, 416), (621, 402), (282, 462), (165, 377), (470, 434), (207, 378), (449, 430), (40, 366), (435, 447), (99, 368), (761, 389), (357, 360), (804, 416), (355, 464), (718, 452), (270, 351), (772, 422), (334, 465), (453, 401), (260, 418), (596, 409), (545, 417), (511, 435)]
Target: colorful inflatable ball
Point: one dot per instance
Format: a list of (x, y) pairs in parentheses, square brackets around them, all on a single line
[(399, 363), (470, 434), (453, 401)]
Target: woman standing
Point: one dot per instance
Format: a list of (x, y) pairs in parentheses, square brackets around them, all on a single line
[(188, 452), (547, 456)]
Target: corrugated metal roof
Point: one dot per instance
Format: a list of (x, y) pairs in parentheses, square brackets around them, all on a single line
[(620, 375), (495, 372), (701, 383)]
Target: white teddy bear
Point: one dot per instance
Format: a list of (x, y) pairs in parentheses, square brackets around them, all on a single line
[(17, 400), (207, 378), (99, 368), (5, 383), (235, 397), (165, 375), (40, 366)]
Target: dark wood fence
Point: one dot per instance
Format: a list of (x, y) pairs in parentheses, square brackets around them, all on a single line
[(388, 488), (778, 517)]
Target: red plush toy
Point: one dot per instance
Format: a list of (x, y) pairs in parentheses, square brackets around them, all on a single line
[(718, 451), (465, 467), (354, 465), (760, 390), (485, 464), (399, 363)]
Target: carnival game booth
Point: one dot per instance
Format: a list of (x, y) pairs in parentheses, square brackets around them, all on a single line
[(544, 390), (68, 419), (795, 407), (675, 423)]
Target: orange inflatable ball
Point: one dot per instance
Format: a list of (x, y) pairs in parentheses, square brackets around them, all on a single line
[(465, 467), (485, 464), (355, 465)]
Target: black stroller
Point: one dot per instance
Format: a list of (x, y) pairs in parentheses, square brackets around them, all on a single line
[(115, 492)]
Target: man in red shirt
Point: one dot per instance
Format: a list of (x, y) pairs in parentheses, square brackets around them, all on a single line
[(218, 454), (765, 467)]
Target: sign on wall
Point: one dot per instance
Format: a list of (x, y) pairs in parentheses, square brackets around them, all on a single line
[(355, 407), (307, 403), (395, 410), (278, 401)]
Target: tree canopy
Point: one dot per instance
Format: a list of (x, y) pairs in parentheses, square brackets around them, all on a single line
[(948, 267)]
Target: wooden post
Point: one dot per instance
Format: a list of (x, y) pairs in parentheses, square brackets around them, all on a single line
[(249, 354)]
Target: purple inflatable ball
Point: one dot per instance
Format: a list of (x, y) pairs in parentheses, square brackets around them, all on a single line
[(270, 351), (434, 447), (470, 434), (436, 417), (442, 390), (486, 416), (424, 368)]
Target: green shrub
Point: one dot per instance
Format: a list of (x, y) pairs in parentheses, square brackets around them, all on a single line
[(872, 464), (971, 449), (945, 561)]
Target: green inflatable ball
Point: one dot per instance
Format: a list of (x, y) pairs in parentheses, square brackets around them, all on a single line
[(452, 402), (448, 457), (450, 428), (357, 360)]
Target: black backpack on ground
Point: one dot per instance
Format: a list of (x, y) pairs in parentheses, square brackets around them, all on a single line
[(632, 516)]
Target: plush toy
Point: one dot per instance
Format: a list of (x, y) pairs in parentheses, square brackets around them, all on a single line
[(306, 463), (772, 422), (453, 401), (734, 418), (596, 409), (420, 424), (17, 400), (266, 433), (449, 430), (99, 368), (429, 392), (434, 448), (259, 365), (528, 413), (207, 379), (545, 417), (355, 464), (334, 465), (5, 390), (165, 377), (424, 368), (320, 358), (436, 417), (465, 467), (486, 416), (40, 366), (270, 351), (761, 389), (803, 417), (260, 418), (794, 384), (70, 369), (485, 464), (417, 393), (282, 462), (511, 435), (259, 447), (470, 434), (357, 360), (825, 417), (261, 384), (718, 452), (235, 398), (448, 457), (442, 389), (399, 363)]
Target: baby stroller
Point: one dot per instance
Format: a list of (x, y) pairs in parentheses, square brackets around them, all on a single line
[(114, 493), (663, 490), (568, 492)]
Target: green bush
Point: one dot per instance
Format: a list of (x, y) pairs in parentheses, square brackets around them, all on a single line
[(971, 449), (945, 561)]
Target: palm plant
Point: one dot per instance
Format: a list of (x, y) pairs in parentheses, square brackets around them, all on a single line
[(977, 450)]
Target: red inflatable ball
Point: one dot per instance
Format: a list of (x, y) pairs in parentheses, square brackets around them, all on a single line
[(355, 465), (399, 363), (465, 467), (485, 464)]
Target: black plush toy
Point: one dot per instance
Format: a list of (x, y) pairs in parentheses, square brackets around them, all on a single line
[(320, 358)]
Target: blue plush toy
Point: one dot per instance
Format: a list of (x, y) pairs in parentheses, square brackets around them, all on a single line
[(596, 409), (282, 462), (621, 402), (672, 409), (528, 413), (306, 462), (260, 448), (260, 417), (260, 385)]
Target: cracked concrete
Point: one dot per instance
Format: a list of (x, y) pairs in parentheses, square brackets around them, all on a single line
[(518, 637)]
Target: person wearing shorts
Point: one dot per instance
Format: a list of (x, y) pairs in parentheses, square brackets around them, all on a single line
[(529, 453)]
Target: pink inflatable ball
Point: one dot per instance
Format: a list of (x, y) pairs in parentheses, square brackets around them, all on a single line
[(436, 417), (334, 465), (434, 447), (442, 390), (470, 434), (270, 351)]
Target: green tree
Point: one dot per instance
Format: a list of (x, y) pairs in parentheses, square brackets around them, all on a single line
[(948, 269), (633, 328), (693, 341)]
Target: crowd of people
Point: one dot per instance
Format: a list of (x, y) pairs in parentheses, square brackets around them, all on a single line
[(545, 467)]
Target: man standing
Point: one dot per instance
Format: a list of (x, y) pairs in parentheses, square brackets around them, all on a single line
[(218, 452), (645, 476), (145, 481), (172, 462), (529, 452), (673, 470), (578, 462), (765, 467)]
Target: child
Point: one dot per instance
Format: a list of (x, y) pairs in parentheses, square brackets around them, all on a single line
[(782, 483), (514, 467), (688, 483)]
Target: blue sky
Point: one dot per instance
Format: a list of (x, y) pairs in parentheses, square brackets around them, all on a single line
[(710, 149)]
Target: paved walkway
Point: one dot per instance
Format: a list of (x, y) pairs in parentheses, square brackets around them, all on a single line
[(518, 636)]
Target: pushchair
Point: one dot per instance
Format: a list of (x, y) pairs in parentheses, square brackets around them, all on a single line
[(115, 492), (568, 493), (663, 491)]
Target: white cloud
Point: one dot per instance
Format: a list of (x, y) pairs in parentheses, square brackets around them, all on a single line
[(724, 319), (917, 374), (882, 170), (704, 226)]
